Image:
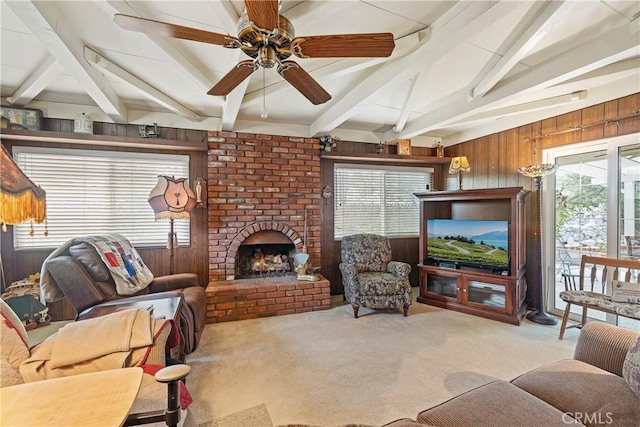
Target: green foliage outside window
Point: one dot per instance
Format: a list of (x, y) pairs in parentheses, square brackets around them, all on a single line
[(577, 196)]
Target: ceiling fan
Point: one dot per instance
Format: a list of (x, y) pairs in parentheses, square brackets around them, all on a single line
[(268, 37)]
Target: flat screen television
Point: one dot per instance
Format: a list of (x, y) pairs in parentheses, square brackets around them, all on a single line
[(480, 244)]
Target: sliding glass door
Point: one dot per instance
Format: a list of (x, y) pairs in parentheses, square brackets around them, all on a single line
[(581, 205), (629, 218), (591, 206)]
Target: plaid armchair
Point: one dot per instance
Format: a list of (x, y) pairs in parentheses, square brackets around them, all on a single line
[(370, 278)]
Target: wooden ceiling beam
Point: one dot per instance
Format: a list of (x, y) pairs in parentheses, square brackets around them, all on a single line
[(617, 45), (36, 82), (455, 27), (146, 89), (234, 100), (174, 55), (225, 12), (343, 67), (538, 21), (47, 22), (314, 11), (528, 107), (619, 69), (417, 87)]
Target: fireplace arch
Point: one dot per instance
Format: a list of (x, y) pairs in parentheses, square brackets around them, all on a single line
[(247, 235)]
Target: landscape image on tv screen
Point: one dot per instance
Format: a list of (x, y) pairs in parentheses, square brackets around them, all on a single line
[(469, 242)]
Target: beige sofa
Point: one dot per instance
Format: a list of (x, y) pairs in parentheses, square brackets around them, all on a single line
[(587, 390)]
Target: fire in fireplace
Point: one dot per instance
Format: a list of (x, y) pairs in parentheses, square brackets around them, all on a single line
[(266, 253)]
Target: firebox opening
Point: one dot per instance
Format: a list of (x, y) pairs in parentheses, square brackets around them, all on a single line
[(265, 254), (264, 261)]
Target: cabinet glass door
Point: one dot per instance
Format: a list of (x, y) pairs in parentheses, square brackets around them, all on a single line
[(489, 294), (442, 285)]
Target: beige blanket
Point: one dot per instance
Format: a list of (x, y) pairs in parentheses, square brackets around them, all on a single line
[(90, 345)]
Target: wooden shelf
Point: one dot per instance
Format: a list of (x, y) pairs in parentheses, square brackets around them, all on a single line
[(475, 194), (386, 158), (84, 138)]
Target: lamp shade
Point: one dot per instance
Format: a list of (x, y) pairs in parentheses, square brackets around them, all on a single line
[(459, 165), (172, 198), (20, 199), (534, 171)]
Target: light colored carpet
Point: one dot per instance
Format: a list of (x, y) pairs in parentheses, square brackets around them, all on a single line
[(258, 416), (327, 368), (36, 336)]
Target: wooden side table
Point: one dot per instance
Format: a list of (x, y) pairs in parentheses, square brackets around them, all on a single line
[(98, 399), (161, 307)]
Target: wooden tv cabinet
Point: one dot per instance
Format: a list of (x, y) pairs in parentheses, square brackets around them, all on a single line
[(495, 295)]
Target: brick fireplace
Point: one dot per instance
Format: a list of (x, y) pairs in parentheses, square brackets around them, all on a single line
[(257, 184)]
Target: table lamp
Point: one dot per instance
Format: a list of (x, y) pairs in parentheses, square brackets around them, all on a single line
[(459, 165)]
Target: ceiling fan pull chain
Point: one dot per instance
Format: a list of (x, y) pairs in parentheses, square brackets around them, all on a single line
[(263, 112)]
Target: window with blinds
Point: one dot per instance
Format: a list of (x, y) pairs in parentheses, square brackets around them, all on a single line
[(378, 199), (92, 192)]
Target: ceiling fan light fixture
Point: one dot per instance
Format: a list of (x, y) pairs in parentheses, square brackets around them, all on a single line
[(267, 57), (278, 38)]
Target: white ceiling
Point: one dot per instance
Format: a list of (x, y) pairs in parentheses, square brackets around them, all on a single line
[(459, 69)]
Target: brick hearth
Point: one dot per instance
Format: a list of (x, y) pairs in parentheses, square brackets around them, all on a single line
[(230, 300), (261, 182)]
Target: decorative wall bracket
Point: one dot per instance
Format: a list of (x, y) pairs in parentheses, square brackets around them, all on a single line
[(200, 189), (146, 131), (328, 142), (326, 192)]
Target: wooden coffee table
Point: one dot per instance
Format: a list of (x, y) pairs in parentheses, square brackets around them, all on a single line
[(101, 398), (160, 307)]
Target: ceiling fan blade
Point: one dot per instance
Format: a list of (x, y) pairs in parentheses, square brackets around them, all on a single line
[(263, 13), (343, 45), (303, 81), (150, 26), (233, 78)]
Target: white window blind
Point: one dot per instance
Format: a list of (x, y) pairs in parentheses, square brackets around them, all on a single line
[(92, 192), (378, 200)]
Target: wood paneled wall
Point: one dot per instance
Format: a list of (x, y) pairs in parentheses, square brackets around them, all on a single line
[(193, 259), (405, 249), (494, 162), (495, 158)]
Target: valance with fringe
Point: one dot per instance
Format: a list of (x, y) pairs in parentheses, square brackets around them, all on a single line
[(20, 199)]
